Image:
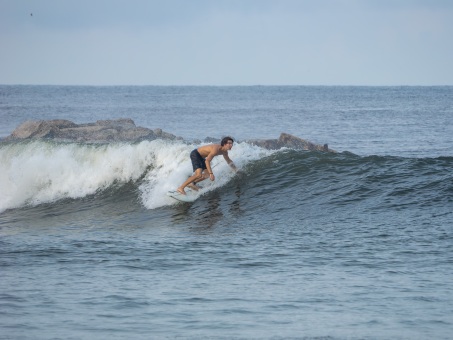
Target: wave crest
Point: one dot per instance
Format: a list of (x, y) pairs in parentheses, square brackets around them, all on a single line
[(39, 172)]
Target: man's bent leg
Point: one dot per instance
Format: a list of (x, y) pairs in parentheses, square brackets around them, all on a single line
[(196, 176), (193, 185), (204, 176)]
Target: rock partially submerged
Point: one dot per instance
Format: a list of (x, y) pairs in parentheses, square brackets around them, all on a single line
[(125, 130), (289, 141)]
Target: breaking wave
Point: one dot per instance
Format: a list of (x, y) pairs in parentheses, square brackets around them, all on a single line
[(40, 172)]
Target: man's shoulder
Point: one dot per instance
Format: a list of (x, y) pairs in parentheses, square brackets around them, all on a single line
[(215, 147), (209, 146)]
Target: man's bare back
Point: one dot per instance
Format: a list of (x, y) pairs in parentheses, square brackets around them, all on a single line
[(212, 150)]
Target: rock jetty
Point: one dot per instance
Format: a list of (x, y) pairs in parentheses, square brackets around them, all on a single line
[(102, 131), (289, 141), (125, 130)]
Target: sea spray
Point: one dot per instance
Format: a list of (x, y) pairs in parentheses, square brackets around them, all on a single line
[(172, 167), (42, 172)]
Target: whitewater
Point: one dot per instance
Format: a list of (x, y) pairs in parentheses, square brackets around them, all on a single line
[(43, 172)]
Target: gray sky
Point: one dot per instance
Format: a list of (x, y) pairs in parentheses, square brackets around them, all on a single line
[(226, 42)]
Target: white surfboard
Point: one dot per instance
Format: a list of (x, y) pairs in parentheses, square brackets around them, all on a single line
[(188, 197)]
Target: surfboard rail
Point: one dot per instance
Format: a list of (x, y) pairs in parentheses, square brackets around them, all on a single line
[(188, 197)]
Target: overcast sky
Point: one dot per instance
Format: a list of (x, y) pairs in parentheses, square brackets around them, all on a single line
[(226, 42)]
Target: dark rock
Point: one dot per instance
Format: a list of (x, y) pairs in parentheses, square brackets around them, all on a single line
[(290, 141), (158, 133), (212, 140), (125, 130), (101, 131), (40, 129), (121, 123)]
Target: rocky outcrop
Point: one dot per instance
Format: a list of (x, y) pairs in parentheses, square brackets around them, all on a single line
[(40, 129), (289, 141), (125, 130)]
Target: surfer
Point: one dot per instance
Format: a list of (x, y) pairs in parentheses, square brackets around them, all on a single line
[(201, 162)]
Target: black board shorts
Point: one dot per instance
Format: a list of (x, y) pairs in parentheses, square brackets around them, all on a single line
[(197, 161)]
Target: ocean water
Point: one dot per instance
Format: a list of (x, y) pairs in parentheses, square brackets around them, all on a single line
[(356, 244)]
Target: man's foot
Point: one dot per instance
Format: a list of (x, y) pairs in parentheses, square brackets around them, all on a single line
[(181, 191), (193, 187)]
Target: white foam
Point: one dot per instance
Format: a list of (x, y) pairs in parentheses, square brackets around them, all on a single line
[(43, 172), (173, 167)]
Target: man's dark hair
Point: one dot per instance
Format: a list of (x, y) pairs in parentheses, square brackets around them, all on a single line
[(225, 140)]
